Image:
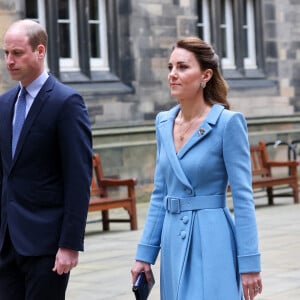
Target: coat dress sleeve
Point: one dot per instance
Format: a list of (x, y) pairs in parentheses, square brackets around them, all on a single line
[(238, 165), (149, 246)]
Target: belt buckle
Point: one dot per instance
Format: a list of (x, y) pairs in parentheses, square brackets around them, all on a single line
[(174, 205)]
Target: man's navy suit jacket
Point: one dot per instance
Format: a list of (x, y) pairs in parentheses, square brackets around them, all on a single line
[(45, 187)]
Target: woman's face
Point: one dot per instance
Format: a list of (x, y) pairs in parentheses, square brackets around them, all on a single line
[(185, 74)]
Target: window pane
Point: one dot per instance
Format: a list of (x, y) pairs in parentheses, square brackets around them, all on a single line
[(94, 10), (64, 38), (223, 13), (200, 19), (249, 35), (95, 29), (95, 41), (245, 28), (31, 9), (223, 30), (200, 11), (63, 9), (224, 52), (203, 25), (97, 35), (227, 37), (64, 29)]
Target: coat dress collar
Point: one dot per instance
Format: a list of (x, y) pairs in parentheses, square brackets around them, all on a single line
[(165, 128)]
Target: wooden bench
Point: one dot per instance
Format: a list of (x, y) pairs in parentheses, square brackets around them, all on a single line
[(101, 199), (263, 177)]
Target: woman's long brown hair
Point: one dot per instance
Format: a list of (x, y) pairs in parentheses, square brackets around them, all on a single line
[(216, 88)]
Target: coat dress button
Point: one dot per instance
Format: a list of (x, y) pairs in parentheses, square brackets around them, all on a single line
[(183, 234), (188, 191), (185, 219)]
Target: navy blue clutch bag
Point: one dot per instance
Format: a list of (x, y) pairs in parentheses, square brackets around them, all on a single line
[(141, 287)]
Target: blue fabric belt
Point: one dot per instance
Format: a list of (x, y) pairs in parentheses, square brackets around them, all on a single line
[(176, 205)]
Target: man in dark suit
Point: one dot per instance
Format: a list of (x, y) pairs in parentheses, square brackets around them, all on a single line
[(45, 173)]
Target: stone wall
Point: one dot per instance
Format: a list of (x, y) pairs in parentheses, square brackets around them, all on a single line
[(287, 39)]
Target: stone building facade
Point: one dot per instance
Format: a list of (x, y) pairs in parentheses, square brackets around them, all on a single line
[(124, 96)]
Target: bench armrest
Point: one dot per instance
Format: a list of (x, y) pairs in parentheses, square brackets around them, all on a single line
[(118, 182), (291, 163)]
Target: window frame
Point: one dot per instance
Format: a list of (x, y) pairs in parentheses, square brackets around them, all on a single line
[(113, 78), (101, 63), (71, 63), (228, 62), (203, 23), (236, 66), (250, 60)]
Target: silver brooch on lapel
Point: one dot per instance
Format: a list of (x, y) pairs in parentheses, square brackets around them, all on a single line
[(201, 131)]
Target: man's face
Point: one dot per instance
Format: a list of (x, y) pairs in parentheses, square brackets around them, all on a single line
[(23, 63)]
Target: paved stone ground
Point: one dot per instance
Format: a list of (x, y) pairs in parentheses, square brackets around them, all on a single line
[(104, 269)]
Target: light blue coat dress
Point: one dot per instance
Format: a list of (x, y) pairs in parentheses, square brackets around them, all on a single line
[(203, 248)]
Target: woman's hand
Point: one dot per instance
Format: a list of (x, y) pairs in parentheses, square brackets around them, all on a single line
[(252, 285), (140, 266)]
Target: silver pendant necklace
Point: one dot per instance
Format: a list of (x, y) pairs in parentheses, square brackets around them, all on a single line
[(182, 134)]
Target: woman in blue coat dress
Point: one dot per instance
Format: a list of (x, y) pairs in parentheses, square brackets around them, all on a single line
[(206, 252)]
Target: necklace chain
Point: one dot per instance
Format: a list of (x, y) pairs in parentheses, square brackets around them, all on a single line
[(182, 134)]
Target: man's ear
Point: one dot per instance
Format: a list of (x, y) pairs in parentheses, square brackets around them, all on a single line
[(40, 50)]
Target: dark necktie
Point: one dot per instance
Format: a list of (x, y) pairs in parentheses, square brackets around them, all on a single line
[(19, 119)]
